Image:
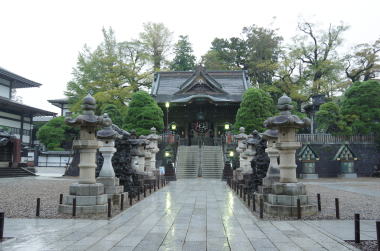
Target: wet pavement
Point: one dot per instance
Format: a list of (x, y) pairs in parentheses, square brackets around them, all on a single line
[(198, 214)]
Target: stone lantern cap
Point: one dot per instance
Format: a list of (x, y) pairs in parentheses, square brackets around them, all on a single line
[(153, 134), (107, 132), (136, 143), (88, 117), (241, 135), (345, 153), (270, 134), (286, 119), (254, 139), (121, 132)]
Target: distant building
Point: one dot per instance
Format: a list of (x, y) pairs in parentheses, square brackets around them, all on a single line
[(202, 104), (16, 118), (62, 104)]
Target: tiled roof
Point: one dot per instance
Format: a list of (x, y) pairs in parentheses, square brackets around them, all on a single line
[(17, 80), (167, 84), (13, 106)]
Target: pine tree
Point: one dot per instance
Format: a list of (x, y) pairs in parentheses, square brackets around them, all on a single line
[(184, 59)]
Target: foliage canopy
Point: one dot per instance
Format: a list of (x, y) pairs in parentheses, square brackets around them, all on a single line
[(184, 60), (143, 114), (111, 73), (256, 107), (55, 134), (330, 120), (361, 107), (156, 41)]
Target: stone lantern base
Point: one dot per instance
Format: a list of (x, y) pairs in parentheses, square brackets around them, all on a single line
[(112, 189), (348, 175), (282, 200), (90, 199), (309, 176)]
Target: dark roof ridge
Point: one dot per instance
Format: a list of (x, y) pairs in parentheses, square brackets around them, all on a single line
[(208, 71), (26, 82)]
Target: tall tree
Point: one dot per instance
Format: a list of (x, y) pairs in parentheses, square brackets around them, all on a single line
[(330, 120), (256, 106), (263, 52), (156, 39), (361, 107), (112, 72), (317, 49), (364, 62), (257, 51), (143, 114), (291, 78), (184, 60)]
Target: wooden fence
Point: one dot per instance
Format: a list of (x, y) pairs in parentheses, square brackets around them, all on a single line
[(330, 139)]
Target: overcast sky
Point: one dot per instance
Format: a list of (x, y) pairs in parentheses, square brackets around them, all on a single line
[(40, 40)]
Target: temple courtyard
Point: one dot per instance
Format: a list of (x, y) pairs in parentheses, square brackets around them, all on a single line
[(196, 214)]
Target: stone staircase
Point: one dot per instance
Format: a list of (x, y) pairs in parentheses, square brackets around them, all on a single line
[(9, 172), (212, 162), (208, 161), (187, 162)]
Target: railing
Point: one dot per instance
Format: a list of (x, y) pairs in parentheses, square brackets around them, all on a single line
[(330, 139)]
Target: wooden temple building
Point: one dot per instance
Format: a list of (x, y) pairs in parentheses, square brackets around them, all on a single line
[(199, 105), (15, 120)]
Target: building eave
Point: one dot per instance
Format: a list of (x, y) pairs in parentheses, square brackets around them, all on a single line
[(12, 106), (17, 80)]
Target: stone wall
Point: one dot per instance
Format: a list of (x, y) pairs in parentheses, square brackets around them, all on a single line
[(368, 157)]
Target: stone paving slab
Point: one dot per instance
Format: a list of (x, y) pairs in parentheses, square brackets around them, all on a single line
[(193, 214)]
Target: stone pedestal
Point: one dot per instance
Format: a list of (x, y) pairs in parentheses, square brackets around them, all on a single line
[(282, 201), (90, 199), (112, 189)]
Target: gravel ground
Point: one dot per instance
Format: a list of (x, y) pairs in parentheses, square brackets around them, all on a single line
[(349, 202), (364, 245), (18, 198)]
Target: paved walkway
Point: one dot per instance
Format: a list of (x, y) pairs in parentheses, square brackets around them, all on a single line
[(186, 215)]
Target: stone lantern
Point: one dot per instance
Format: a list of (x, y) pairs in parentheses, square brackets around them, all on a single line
[(153, 148), (282, 201), (89, 195), (107, 177), (308, 158), (347, 160), (138, 154), (250, 151), (241, 138), (273, 173)]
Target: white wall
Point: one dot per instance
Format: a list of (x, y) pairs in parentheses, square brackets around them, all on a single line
[(4, 91), (10, 115), (53, 161), (10, 123)]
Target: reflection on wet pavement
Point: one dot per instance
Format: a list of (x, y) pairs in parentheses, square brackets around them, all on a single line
[(195, 214)]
